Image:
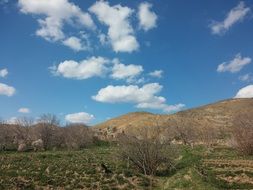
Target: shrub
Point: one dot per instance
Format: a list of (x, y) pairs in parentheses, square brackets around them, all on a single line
[(242, 133), (145, 149)]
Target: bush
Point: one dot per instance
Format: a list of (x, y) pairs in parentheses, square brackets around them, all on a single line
[(145, 149), (242, 133)]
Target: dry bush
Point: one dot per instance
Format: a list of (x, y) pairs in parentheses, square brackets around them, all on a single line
[(7, 137), (23, 130), (77, 136), (191, 132), (184, 130), (207, 135), (48, 131), (242, 133), (146, 149), (45, 134)]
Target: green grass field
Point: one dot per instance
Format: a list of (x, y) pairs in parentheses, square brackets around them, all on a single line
[(197, 168)]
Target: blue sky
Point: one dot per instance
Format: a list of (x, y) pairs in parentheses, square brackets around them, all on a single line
[(87, 61)]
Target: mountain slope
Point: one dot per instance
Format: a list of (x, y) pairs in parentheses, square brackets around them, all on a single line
[(219, 114)]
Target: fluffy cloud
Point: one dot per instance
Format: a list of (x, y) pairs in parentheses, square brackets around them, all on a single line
[(75, 43), (156, 73), (246, 92), (246, 78), (98, 67), (94, 66), (3, 73), (234, 65), (147, 18), (128, 72), (57, 13), (81, 117), (143, 97), (24, 110), (53, 16), (7, 90), (235, 15), (120, 32)]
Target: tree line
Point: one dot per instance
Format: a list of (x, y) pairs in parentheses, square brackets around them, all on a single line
[(44, 134)]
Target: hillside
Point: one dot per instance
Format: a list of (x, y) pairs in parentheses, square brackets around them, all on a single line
[(219, 114)]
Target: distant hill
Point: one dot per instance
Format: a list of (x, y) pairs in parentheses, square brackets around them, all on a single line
[(219, 114)]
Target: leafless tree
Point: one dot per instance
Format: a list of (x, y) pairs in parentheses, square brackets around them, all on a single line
[(184, 130), (23, 129), (77, 136), (45, 134), (207, 134), (7, 137), (243, 133), (145, 149), (48, 131)]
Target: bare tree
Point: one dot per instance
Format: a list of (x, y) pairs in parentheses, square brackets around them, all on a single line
[(23, 129), (7, 137), (45, 134), (77, 136), (47, 130), (243, 133), (184, 130), (145, 149)]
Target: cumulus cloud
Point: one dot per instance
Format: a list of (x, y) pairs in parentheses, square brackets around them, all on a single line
[(246, 92), (94, 66), (246, 78), (24, 110), (235, 15), (234, 65), (156, 73), (57, 13), (99, 67), (147, 18), (81, 117), (7, 90), (120, 32), (75, 43), (128, 72), (143, 97), (3, 73)]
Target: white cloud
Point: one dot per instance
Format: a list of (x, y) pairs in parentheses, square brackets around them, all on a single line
[(246, 78), (234, 65), (94, 66), (24, 110), (246, 92), (128, 72), (81, 117), (57, 13), (99, 67), (103, 39), (235, 15), (12, 121), (75, 43), (120, 32), (3, 73), (147, 18), (143, 97), (156, 73), (7, 90)]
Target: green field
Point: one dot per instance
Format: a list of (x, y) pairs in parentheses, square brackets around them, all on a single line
[(198, 168)]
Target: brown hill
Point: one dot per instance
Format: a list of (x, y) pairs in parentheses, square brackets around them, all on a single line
[(220, 114)]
